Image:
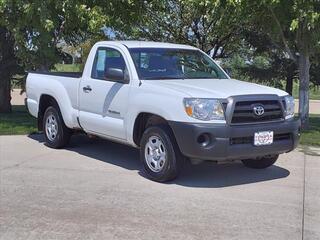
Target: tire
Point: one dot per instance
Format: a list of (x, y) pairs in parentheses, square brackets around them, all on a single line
[(160, 155), (56, 132), (260, 163)]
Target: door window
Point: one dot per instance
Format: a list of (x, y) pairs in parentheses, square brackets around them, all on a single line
[(107, 59)]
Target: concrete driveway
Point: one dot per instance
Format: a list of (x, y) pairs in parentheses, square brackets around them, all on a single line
[(94, 190)]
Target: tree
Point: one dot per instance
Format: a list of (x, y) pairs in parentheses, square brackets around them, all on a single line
[(34, 29), (315, 71), (38, 26), (213, 26), (263, 61), (39, 29), (8, 67), (293, 25)]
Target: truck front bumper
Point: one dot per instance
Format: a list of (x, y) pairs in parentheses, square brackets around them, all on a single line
[(233, 142)]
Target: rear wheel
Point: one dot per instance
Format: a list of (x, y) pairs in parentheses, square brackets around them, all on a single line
[(56, 132), (160, 155), (260, 163)]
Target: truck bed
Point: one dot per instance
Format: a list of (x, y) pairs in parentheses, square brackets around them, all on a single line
[(59, 85)]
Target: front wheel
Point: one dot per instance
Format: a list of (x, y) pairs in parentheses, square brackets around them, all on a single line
[(160, 155), (260, 163)]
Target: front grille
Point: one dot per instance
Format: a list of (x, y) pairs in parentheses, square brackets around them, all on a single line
[(243, 111), (249, 140)]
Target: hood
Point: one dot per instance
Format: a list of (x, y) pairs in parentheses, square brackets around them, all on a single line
[(215, 88)]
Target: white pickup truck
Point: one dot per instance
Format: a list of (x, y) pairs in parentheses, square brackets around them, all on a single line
[(171, 101)]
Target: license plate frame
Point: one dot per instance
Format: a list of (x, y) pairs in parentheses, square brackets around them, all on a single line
[(263, 138)]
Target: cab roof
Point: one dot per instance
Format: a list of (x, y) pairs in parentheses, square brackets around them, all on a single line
[(147, 44)]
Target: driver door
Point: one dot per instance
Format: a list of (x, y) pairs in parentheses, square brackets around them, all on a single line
[(103, 96)]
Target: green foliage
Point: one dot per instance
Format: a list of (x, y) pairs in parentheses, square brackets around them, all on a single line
[(213, 26), (293, 25), (260, 40), (38, 26)]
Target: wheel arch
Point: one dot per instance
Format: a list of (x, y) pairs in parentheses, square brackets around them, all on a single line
[(145, 120), (45, 101)]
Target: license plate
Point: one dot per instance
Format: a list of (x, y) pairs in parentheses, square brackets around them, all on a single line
[(263, 138)]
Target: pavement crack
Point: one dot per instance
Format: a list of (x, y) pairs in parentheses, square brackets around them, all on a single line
[(23, 162)]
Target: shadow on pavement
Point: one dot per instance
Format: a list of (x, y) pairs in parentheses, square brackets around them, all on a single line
[(205, 175), (211, 175), (98, 149)]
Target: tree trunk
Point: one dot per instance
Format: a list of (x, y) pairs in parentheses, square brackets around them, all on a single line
[(8, 66), (304, 78), (289, 84), (5, 95)]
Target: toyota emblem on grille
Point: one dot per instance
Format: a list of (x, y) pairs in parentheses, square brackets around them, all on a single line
[(258, 110)]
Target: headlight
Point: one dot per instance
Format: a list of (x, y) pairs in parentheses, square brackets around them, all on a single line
[(204, 109), (289, 107)]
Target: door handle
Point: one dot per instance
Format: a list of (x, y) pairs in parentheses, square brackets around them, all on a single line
[(87, 89)]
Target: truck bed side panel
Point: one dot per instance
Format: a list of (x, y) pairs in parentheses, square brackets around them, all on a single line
[(63, 89)]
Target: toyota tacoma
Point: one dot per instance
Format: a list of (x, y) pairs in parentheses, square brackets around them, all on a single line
[(171, 101)]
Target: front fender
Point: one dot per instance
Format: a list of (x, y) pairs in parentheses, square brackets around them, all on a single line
[(168, 107)]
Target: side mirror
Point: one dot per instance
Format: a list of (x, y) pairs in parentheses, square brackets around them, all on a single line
[(116, 74)]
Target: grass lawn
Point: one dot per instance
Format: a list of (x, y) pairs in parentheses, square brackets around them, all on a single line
[(67, 68), (312, 136), (18, 122)]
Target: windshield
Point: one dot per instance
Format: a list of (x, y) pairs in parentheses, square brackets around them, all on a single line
[(168, 63)]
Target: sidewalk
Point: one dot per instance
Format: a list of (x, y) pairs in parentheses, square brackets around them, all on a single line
[(314, 106)]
